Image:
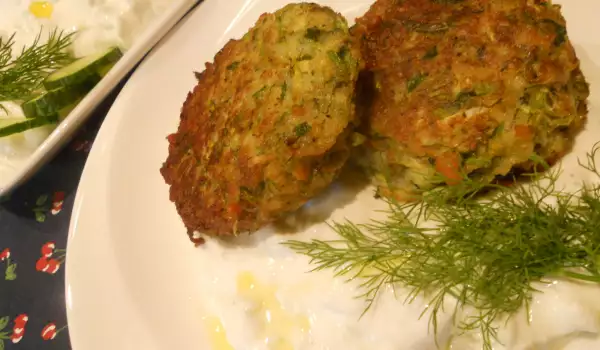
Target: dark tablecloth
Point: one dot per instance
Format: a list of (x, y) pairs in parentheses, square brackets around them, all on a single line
[(34, 223)]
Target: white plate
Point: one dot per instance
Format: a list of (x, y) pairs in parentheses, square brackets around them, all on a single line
[(62, 134), (134, 281)]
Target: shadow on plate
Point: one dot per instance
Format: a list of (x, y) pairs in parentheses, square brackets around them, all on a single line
[(318, 210), (341, 193)]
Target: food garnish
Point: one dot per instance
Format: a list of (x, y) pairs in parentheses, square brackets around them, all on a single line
[(22, 76), (485, 252), (14, 126), (84, 70), (47, 79)]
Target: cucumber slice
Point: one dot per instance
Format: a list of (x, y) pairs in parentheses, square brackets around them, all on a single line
[(92, 67), (4, 122), (14, 126), (63, 113), (53, 101)]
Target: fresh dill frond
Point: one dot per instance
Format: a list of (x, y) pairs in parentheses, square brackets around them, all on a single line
[(21, 76), (484, 255)]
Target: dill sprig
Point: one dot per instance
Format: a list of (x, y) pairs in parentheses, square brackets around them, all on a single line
[(484, 255), (21, 77)]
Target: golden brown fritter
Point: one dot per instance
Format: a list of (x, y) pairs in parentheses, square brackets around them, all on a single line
[(466, 87), (268, 125)]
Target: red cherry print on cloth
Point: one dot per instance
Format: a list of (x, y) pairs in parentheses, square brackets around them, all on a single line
[(82, 145), (53, 266), (5, 254), (49, 331), (57, 202), (50, 266), (48, 249), (42, 264), (21, 319), (19, 328), (50, 259), (15, 338), (10, 273)]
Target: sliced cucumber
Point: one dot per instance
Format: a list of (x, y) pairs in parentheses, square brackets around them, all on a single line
[(63, 113), (52, 102), (4, 122), (14, 126), (92, 67)]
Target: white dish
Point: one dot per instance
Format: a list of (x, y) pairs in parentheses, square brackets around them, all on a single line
[(134, 280), (62, 134)]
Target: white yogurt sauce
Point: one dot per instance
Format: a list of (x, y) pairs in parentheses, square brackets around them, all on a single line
[(317, 311), (99, 24), (15, 149), (566, 316)]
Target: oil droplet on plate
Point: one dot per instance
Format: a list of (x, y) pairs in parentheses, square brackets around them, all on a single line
[(277, 324), (216, 333), (41, 9)]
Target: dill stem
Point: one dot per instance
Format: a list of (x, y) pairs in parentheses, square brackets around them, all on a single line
[(22, 76), (579, 276), (484, 254)]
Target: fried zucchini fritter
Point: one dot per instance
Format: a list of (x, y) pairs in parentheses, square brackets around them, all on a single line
[(466, 87), (268, 125)]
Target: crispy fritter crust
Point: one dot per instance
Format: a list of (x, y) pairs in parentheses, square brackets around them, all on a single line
[(474, 85), (267, 127)]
